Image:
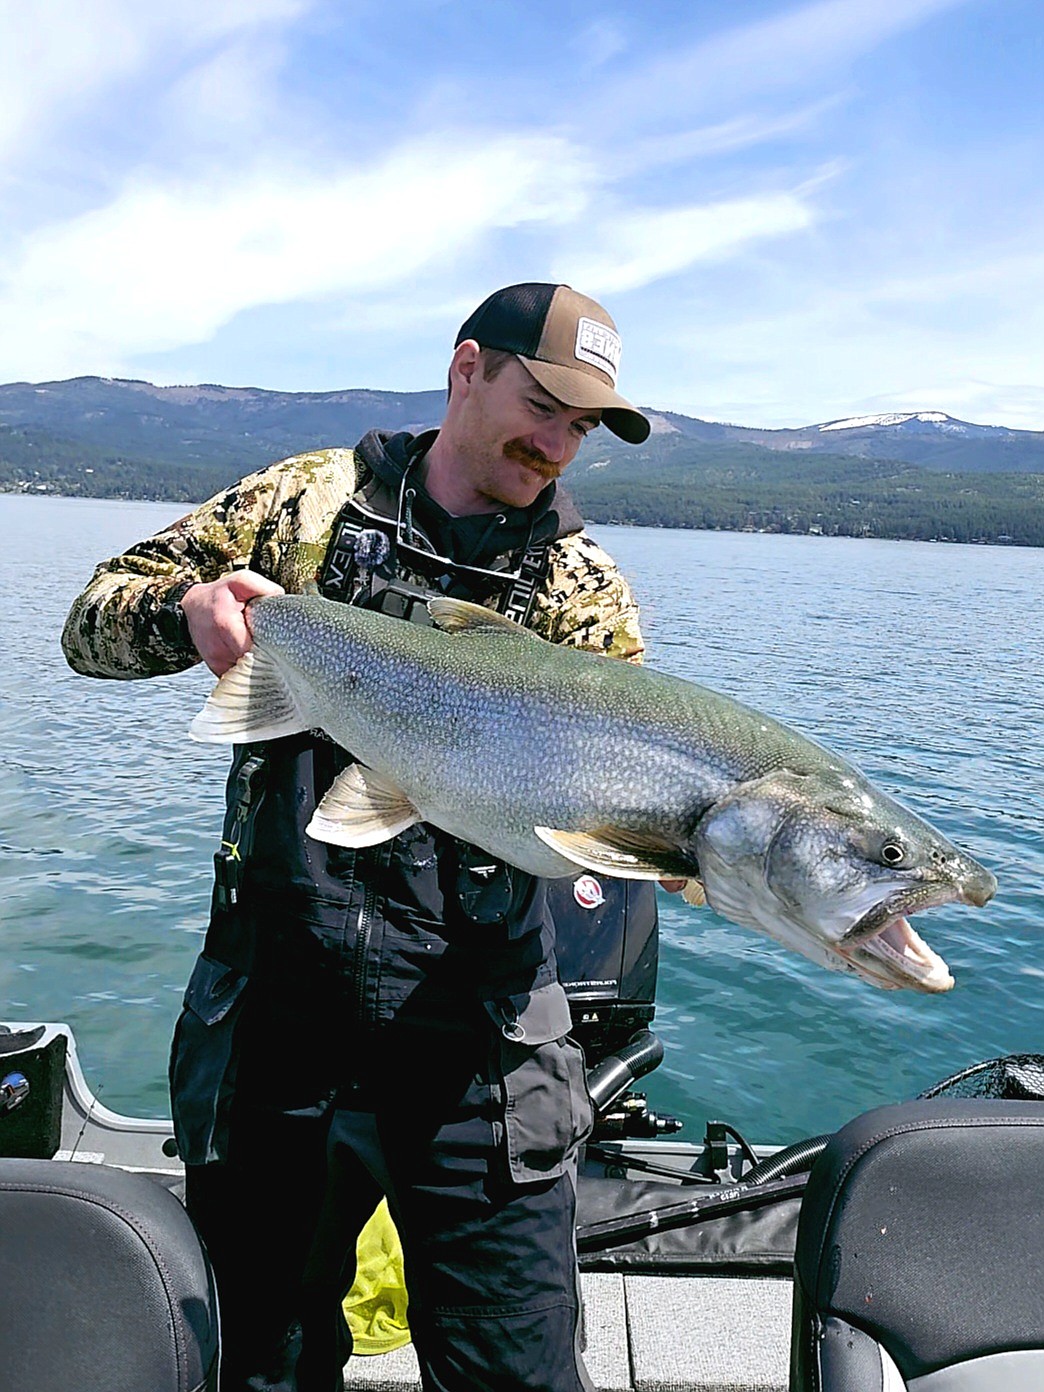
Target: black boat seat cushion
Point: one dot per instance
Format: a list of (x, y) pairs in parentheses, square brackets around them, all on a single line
[(920, 1253), (104, 1285)]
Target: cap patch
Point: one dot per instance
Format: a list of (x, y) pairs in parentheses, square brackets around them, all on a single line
[(598, 345)]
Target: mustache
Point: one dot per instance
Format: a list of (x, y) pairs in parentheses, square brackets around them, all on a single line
[(534, 459)]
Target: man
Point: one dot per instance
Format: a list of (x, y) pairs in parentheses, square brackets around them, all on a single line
[(387, 1020)]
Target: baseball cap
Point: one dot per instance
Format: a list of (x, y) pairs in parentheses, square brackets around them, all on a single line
[(567, 341)]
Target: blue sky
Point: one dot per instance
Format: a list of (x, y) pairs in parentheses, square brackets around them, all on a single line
[(795, 212)]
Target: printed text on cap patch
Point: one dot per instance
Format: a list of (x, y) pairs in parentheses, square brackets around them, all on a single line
[(598, 345)]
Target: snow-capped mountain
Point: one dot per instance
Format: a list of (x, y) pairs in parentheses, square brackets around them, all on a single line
[(243, 427), (918, 422), (931, 438)]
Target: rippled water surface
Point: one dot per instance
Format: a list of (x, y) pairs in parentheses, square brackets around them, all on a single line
[(922, 663)]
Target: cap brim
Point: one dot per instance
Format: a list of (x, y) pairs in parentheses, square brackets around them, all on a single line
[(586, 393)]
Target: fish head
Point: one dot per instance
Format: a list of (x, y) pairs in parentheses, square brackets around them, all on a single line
[(832, 867)]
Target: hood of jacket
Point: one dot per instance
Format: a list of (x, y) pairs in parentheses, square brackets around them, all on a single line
[(469, 540)]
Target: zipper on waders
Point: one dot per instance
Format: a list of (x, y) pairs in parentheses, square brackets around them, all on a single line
[(363, 932)]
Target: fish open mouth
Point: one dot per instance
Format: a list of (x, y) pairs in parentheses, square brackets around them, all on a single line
[(884, 946), (898, 956)]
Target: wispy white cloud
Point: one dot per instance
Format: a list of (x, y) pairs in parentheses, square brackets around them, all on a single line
[(600, 41), (59, 56), (877, 342), (720, 138), (778, 54), (623, 251), (225, 99), (165, 265), (757, 193)]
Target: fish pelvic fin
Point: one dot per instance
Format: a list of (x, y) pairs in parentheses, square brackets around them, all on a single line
[(251, 702), (625, 855), (694, 893), (460, 616), (361, 808)]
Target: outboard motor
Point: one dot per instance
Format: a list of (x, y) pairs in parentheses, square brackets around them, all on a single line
[(607, 942), (607, 949)]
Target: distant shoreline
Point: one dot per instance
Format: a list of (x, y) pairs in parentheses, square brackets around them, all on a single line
[(187, 504)]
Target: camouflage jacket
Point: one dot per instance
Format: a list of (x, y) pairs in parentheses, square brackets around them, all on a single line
[(278, 522)]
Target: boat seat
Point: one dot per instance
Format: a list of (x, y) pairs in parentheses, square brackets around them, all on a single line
[(104, 1285), (919, 1251)]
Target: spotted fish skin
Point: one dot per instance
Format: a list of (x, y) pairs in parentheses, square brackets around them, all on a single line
[(551, 759)]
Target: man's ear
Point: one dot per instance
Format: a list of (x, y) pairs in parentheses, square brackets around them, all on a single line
[(464, 365)]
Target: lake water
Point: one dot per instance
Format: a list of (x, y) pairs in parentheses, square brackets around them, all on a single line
[(922, 663)]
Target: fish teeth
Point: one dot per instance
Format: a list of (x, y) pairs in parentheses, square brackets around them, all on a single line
[(925, 967)]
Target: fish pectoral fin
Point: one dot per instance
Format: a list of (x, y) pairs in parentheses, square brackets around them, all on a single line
[(252, 701), (627, 855), (460, 616), (361, 808)]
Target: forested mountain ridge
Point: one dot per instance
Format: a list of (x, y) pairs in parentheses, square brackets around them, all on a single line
[(922, 475), (733, 487)]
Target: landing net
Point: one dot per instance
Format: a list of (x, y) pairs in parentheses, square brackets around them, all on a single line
[(1015, 1077)]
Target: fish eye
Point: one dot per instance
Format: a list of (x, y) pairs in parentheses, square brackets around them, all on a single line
[(893, 853)]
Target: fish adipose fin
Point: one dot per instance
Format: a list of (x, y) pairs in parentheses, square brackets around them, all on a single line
[(613, 851), (250, 702), (460, 616), (361, 808)]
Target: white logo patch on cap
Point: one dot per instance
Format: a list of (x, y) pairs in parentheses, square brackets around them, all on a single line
[(598, 345)]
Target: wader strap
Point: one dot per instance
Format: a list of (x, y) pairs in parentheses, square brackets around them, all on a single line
[(535, 563), (338, 568), (228, 939), (341, 578)]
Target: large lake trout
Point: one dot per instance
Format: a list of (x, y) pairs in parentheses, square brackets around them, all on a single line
[(555, 759)]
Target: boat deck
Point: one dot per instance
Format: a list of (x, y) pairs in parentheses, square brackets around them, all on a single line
[(656, 1334), (645, 1333)]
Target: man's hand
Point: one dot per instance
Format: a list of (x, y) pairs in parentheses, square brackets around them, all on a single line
[(216, 615)]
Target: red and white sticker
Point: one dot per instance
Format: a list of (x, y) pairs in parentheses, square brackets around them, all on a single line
[(588, 892)]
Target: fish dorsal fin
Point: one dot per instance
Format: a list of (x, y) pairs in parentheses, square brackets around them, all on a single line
[(361, 808), (460, 616), (252, 701), (625, 854)]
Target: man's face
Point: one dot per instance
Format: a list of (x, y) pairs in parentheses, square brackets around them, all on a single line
[(512, 438)]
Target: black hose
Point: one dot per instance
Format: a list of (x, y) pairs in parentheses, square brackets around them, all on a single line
[(792, 1159), (615, 1074)]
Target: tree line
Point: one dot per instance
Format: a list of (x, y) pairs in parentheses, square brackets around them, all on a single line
[(717, 488), (869, 499)]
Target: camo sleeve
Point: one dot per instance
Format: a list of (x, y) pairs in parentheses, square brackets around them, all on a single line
[(587, 603), (276, 521)]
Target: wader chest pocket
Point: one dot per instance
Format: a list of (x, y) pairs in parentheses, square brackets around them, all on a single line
[(203, 1061), (543, 1079), (485, 886)]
